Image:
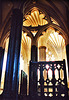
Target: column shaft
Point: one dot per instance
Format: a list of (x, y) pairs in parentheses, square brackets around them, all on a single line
[(12, 67), (42, 53), (34, 53), (1, 60)]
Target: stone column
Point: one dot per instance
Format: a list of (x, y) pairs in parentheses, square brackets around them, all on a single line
[(42, 53), (33, 58), (34, 53), (1, 60), (12, 67)]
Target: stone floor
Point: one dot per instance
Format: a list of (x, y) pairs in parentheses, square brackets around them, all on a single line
[(35, 98)]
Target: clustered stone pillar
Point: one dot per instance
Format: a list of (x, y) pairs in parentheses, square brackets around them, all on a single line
[(42, 53), (12, 67), (34, 56), (1, 60), (33, 59)]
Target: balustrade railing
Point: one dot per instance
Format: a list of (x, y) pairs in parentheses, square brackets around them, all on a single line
[(48, 79)]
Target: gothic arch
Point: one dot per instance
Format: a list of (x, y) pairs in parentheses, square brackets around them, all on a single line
[(47, 10), (64, 35)]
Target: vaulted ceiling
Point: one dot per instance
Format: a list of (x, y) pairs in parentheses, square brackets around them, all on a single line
[(50, 38)]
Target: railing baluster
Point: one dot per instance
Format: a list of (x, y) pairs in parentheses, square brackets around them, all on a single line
[(41, 81)]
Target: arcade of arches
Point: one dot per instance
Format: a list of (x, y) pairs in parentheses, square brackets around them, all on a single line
[(42, 31)]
